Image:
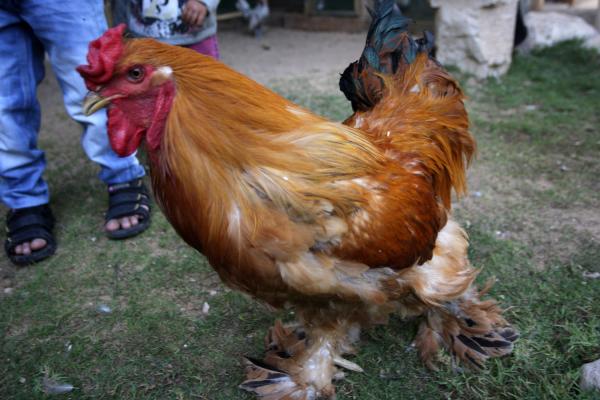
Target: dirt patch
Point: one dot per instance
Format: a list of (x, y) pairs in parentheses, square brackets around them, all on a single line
[(584, 221), (286, 54), (553, 235), (194, 304), (19, 329)]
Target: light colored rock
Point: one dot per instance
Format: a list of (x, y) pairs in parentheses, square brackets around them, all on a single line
[(590, 376), (205, 308), (549, 28), (476, 35), (592, 42)]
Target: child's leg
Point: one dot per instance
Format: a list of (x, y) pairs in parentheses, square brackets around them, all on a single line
[(208, 47)]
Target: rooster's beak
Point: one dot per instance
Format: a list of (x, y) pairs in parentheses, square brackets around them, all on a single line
[(93, 102)]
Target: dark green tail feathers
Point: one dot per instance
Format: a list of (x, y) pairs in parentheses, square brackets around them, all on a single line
[(388, 48)]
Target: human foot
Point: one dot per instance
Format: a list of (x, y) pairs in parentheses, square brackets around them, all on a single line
[(27, 248), (128, 211), (123, 223), (29, 234)]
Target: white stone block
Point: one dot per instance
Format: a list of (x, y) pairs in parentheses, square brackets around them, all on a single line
[(476, 35), (590, 376), (548, 28)]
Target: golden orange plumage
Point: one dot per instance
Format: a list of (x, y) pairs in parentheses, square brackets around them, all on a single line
[(345, 222)]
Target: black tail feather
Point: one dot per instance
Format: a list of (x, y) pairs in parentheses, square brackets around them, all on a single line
[(388, 48)]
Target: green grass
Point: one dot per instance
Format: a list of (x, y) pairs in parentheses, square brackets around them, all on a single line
[(560, 87), (533, 225)]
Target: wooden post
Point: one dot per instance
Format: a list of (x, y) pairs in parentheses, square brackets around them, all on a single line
[(537, 5), (598, 17), (108, 12), (309, 7), (229, 15), (360, 8)]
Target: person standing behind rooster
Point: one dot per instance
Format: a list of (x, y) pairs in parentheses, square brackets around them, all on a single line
[(188, 23), (63, 29)]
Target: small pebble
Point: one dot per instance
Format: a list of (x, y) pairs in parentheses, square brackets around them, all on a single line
[(8, 290), (590, 376), (50, 386), (103, 309), (22, 380), (502, 235), (205, 308), (531, 107), (212, 293), (591, 275), (338, 376)]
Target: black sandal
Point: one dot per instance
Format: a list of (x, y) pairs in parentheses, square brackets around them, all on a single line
[(24, 225), (125, 200)]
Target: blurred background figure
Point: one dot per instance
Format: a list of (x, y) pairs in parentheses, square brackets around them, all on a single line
[(520, 27), (255, 16), (62, 30), (188, 23)]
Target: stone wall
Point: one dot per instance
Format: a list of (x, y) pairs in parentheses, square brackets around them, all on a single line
[(476, 35)]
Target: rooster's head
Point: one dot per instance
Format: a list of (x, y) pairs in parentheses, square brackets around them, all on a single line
[(123, 76)]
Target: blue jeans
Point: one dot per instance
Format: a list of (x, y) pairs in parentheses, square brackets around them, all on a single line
[(63, 29)]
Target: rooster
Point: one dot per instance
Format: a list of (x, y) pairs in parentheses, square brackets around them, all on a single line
[(346, 223)]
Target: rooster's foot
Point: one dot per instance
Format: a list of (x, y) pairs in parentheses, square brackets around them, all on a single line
[(346, 364), (470, 329), (270, 383), (297, 366)]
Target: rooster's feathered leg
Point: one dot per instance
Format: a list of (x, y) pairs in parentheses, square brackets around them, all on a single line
[(470, 329), (301, 365)]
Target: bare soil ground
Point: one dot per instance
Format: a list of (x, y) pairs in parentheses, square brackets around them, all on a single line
[(286, 54)]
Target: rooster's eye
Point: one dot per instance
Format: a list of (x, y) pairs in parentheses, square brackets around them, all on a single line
[(135, 74)]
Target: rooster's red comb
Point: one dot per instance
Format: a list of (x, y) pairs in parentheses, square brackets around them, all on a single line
[(102, 57)]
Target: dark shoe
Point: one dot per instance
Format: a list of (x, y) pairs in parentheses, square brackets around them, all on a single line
[(126, 200), (26, 224)]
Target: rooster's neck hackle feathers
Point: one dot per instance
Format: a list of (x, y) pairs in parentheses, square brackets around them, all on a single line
[(238, 122), (396, 80)]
